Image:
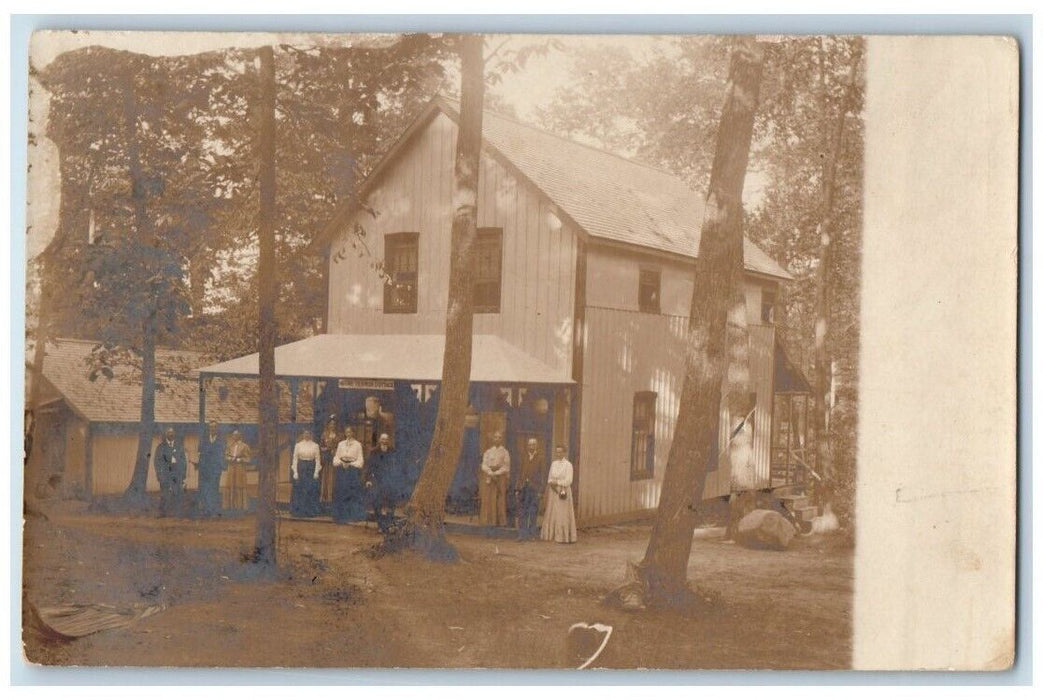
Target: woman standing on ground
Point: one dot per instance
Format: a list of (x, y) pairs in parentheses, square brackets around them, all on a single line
[(237, 457), (348, 493), (304, 470), (328, 442), (559, 521)]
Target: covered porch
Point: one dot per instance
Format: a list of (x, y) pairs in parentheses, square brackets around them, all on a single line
[(390, 383)]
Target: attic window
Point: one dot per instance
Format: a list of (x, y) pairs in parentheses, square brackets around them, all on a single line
[(648, 291)]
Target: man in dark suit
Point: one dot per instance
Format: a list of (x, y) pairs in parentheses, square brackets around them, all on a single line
[(211, 464), (170, 466), (528, 488)]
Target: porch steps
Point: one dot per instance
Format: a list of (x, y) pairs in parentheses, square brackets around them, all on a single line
[(798, 504)]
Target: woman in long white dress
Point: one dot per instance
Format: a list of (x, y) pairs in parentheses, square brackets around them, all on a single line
[(559, 519)]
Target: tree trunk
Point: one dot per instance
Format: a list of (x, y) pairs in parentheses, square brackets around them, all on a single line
[(136, 493), (661, 577), (738, 451), (833, 144), (426, 510), (268, 406)]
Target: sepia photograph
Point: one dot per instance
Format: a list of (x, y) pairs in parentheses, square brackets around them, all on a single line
[(441, 350)]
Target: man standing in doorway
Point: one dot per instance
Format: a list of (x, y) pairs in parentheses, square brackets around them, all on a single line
[(374, 421), (495, 473)]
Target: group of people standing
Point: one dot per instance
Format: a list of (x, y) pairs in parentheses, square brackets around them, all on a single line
[(216, 456), (358, 477), (559, 518), (358, 482)]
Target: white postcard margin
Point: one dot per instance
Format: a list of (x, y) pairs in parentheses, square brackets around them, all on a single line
[(936, 494)]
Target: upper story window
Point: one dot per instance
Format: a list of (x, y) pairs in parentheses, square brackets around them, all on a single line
[(642, 436), (401, 253), (767, 306), (488, 271), (648, 291)]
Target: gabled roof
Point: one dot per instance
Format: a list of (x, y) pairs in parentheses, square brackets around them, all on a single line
[(118, 400), (607, 196), (404, 356)]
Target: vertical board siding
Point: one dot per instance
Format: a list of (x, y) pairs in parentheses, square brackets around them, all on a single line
[(762, 376), (415, 194), (113, 455), (75, 451), (628, 352), (612, 282)]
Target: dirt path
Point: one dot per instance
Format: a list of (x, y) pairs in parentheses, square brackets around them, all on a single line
[(505, 604)]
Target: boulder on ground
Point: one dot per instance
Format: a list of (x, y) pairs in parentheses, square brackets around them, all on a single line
[(765, 529)]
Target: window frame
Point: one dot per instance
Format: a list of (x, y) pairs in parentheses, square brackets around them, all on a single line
[(488, 233), (640, 472), (655, 306), (771, 308), (393, 241)]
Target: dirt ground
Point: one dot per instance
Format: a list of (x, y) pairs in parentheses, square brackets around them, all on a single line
[(506, 604)]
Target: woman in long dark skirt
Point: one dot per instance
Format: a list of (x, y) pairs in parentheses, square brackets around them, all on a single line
[(349, 496), (383, 482), (304, 470), (328, 446)]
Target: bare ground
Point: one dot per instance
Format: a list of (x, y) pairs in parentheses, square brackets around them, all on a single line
[(506, 604)]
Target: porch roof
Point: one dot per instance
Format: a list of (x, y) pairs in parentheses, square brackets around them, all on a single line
[(402, 356)]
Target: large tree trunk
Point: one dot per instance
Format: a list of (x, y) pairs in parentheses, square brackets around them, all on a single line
[(426, 510), (833, 143), (136, 495), (661, 577), (268, 406), (739, 401)]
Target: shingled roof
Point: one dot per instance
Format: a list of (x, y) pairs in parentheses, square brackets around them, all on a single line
[(609, 197), (118, 400)]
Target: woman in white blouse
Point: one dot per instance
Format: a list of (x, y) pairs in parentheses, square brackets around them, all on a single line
[(304, 474), (559, 520)]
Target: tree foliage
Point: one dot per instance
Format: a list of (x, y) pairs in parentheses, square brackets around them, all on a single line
[(156, 234), (661, 107)]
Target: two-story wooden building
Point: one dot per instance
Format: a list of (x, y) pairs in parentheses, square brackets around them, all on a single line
[(584, 281)]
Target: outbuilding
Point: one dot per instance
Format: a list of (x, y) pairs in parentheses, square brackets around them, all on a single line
[(88, 422)]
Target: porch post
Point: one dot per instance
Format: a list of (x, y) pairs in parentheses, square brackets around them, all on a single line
[(294, 385), (202, 407), (575, 419)]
